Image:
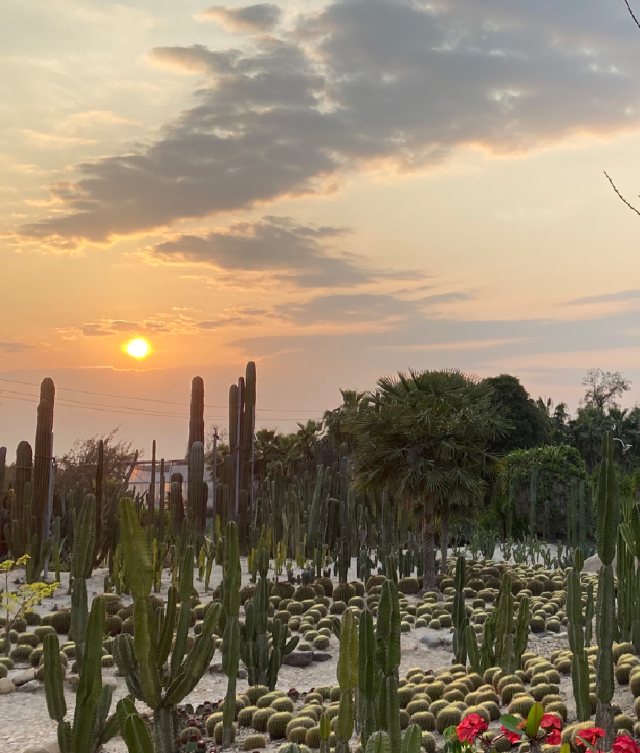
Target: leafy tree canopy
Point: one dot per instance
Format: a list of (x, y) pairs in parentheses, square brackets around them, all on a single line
[(531, 427)]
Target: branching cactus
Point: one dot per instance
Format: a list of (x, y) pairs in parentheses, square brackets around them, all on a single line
[(90, 728), (347, 680), (142, 659), (459, 614), (388, 655), (606, 527), (263, 662), (368, 672), (579, 662)]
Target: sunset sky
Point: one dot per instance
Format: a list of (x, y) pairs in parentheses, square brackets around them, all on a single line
[(336, 191)]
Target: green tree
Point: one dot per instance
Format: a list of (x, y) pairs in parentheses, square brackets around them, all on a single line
[(530, 426), (78, 466), (335, 420), (422, 437), (603, 387)]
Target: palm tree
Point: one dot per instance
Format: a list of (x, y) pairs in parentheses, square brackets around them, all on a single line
[(423, 437), (334, 420)]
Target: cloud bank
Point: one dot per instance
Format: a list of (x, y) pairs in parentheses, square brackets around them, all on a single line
[(363, 83)]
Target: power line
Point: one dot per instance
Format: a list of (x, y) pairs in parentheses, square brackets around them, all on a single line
[(122, 409), (151, 400)]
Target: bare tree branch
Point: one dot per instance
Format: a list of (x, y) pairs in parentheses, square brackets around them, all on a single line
[(631, 13), (620, 196)]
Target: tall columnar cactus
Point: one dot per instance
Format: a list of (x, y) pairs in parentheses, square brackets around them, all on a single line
[(263, 662), (579, 662), (606, 529), (42, 457), (176, 506), (368, 672), (233, 447), (3, 470), (347, 674), (81, 566), (589, 612), (504, 639), (160, 527), (196, 412), (151, 494), (24, 470), (196, 500), (142, 659), (345, 550), (231, 638), (533, 500), (90, 728), (97, 550), (388, 655), (248, 433), (459, 614)]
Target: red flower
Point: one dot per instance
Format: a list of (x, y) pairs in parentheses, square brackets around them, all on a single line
[(624, 744), (552, 725), (470, 727), (590, 735), (512, 737)]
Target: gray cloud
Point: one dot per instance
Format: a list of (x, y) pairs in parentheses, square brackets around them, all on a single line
[(359, 83), (362, 308), (109, 327), (250, 18), (275, 245), (622, 295), (13, 347)]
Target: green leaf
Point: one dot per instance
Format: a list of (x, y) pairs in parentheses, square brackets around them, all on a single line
[(510, 722), (534, 719)]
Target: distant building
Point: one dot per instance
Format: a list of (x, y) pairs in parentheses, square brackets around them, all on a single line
[(141, 478)]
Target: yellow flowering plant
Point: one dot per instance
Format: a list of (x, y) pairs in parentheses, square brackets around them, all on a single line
[(16, 603)]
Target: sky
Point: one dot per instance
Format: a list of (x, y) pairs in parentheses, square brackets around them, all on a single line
[(337, 191)]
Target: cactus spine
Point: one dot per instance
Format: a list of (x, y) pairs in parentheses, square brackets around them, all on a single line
[(459, 614), (577, 623), (606, 527)]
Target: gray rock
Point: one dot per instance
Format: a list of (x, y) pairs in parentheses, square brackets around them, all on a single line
[(298, 659), (110, 681), (215, 667), (321, 656), (22, 678), (447, 639), (7, 686), (432, 638), (30, 687), (242, 674), (73, 681)]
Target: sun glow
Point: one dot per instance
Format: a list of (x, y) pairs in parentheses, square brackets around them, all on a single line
[(138, 348)]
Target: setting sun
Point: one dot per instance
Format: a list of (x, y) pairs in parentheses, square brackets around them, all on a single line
[(138, 348)]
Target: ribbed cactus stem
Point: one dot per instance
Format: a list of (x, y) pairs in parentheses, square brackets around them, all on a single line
[(196, 479), (367, 675), (388, 652), (347, 674), (606, 527), (196, 412), (459, 614), (579, 662)]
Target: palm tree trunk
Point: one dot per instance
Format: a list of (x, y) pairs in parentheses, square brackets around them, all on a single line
[(444, 536), (428, 545)]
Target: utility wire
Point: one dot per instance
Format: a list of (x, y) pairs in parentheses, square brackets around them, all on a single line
[(122, 409), (151, 400)]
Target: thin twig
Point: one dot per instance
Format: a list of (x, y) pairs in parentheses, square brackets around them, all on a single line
[(631, 13), (620, 196)]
